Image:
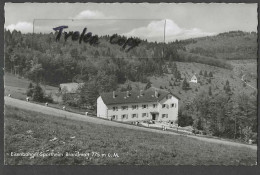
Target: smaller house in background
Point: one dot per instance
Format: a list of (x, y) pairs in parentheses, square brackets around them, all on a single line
[(194, 79), (70, 87)]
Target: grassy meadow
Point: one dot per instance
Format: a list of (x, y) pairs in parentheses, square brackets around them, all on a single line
[(32, 132), (17, 87)]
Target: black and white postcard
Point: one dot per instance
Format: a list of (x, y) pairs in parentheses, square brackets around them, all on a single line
[(130, 84)]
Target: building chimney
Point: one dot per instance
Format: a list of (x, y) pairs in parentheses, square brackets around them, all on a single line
[(114, 94), (127, 93), (141, 92), (156, 93)]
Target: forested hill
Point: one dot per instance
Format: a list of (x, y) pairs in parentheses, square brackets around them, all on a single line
[(234, 45), (41, 58)]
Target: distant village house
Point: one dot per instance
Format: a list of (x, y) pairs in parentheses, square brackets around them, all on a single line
[(194, 79)]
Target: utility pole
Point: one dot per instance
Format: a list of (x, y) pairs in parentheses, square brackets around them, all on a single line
[(164, 38), (235, 127)]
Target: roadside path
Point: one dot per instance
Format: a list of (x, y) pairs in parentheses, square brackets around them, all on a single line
[(60, 113), (242, 79)]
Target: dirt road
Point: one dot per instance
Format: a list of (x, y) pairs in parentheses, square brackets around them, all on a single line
[(60, 113)]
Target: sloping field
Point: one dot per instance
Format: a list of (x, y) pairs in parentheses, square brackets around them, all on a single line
[(17, 87), (32, 132)]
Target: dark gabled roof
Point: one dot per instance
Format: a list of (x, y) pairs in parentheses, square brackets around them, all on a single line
[(134, 96)]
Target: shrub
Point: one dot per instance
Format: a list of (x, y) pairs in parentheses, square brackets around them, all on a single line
[(184, 120), (48, 99)]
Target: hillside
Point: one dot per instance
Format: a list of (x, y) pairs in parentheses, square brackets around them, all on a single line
[(217, 82), (234, 45), (131, 147), (224, 76)]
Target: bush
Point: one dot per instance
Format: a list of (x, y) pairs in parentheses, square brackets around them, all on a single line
[(48, 99), (70, 99), (37, 94), (184, 120)]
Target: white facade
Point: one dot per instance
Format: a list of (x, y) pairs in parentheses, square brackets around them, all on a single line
[(102, 108), (194, 79), (163, 110)]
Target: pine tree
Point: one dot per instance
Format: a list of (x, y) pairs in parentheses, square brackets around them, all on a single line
[(38, 94), (178, 75), (29, 92), (88, 93), (205, 74), (210, 92), (201, 72), (227, 88), (185, 84), (210, 74)]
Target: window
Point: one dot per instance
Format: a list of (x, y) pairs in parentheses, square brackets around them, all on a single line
[(172, 105), (114, 117), (168, 97), (134, 115), (165, 106), (145, 106), (154, 105), (144, 115), (135, 106), (124, 116), (115, 108), (164, 115), (124, 107)]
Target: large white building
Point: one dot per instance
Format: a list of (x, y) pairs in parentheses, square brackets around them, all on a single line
[(152, 104)]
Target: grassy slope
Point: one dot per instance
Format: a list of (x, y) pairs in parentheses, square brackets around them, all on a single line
[(17, 86), (133, 147)]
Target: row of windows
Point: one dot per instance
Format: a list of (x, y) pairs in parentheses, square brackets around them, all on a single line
[(173, 105), (115, 108), (125, 116), (164, 115)]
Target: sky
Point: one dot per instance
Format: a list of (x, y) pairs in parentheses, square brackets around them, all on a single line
[(144, 20)]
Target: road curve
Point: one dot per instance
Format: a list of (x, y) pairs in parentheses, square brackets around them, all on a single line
[(60, 113)]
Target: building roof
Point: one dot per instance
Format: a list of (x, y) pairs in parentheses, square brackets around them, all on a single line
[(70, 87), (193, 77), (134, 96)]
